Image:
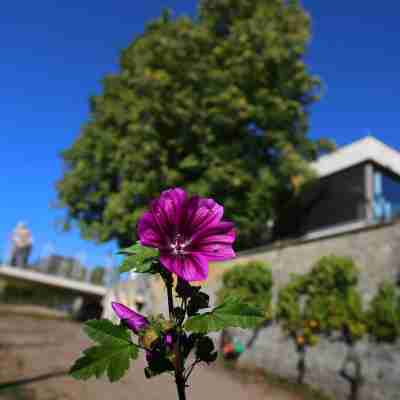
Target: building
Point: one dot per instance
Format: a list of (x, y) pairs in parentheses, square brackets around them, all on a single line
[(358, 185)]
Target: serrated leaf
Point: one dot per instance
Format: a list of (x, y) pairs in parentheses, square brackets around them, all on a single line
[(139, 259), (132, 264), (113, 359), (232, 313), (112, 355), (103, 331), (139, 250)]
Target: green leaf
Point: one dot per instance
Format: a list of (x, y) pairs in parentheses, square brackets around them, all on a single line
[(232, 313), (139, 259), (113, 359), (112, 355), (103, 331)]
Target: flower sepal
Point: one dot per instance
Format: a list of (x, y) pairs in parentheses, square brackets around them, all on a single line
[(149, 338), (158, 363), (185, 290), (205, 350), (198, 301), (166, 325)]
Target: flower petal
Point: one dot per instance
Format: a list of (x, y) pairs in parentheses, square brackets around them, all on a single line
[(190, 267), (148, 232), (167, 210), (170, 262), (216, 251), (133, 320), (202, 214), (215, 243), (196, 268), (223, 232)]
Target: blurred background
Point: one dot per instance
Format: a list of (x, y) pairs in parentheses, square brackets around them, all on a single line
[(104, 105)]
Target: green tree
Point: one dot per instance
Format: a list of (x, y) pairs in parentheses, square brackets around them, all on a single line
[(324, 302), (291, 313), (384, 314), (217, 104), (252, 283), (336, 304)]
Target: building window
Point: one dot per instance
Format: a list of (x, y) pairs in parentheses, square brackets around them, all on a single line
[(386, 196)]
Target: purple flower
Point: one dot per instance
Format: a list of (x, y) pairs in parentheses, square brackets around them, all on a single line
[(134, 321), (168, 340), (188, 232)]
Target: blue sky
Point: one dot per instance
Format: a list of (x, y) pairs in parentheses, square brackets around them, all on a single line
[(54, 56)]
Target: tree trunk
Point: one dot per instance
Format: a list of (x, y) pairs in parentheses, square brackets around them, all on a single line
[(301, 366), (255, 334), (352, 372)]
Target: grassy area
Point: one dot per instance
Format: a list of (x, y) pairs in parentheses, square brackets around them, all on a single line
[(259, 376), (18, 393)]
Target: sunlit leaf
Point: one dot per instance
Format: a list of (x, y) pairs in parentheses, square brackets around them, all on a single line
[(232, 313)]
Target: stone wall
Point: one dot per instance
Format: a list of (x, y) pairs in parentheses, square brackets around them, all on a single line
[(376, 250)]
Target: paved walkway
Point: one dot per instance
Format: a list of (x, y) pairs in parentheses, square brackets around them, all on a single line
[(30, 347)]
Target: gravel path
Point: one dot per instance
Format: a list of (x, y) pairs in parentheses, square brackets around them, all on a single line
[(30, 347)]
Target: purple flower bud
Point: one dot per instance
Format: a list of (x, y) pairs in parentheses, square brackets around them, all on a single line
[(133, 320), (168, 340)]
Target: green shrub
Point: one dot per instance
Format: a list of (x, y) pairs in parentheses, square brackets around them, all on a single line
[(321, 302), (252, 282), (384, 314), (333, 273), (334, 301)]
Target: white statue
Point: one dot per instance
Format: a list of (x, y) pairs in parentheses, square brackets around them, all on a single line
[(21, 245)]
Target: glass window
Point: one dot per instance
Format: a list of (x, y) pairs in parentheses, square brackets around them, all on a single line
[(386, 196), (391, 193)]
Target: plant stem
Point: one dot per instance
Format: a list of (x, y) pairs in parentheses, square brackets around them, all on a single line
[(168, 284), (180, 385), (179, 377), (190, 370)]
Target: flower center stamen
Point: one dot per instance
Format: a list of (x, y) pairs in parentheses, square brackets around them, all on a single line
[(178, 245)]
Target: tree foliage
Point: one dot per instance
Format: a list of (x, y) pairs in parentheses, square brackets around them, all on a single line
[(324, 301), (217, 104), (335, 301), (252, 283), (384, 314)]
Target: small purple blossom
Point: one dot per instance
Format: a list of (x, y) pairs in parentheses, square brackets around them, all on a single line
[(168, 340), (188, 232), (133, 320)]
